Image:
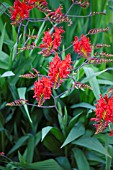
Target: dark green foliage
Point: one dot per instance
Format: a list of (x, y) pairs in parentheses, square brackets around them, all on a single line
[(43, 139)]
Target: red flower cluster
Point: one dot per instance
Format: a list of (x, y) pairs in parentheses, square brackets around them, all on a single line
[(59, 69), (104, 113), (42, 90), (82, 46), (19, 11), (51, 41), (58, 17)]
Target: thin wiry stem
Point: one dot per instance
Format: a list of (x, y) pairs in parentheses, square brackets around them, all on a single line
[(5, 12), (25, 30), (36, 19), (29, 104), (86, 16), (5, 8), (55, 102), (76, 16), (19, 28), (63, 93), (26, 42), (70, 8), (78, 68), (52, 29)]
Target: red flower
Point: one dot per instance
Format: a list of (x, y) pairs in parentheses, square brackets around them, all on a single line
[(82, 46), (51, 42), (104, 113), (42, 90), (111, 133), (19, 11), (59, 69), (58, 17)]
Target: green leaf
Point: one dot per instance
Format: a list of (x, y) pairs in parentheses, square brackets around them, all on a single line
[(5, 168), (21, 159), (45, 131), (4, 60), (75, 132), (52, 145), (30, 149), (93, 81), (60, 119), (54, 4), (91, 143), (37, 138), (57, 133), (32, 143), (109, 159), (63, 161), (95, 74), (105, 82), (7, 74), (74, 119), (2, 37), (82, 163), (2, 9), (18, 144), (92, 156), (21, 93), (23, 64), (84, 105), (14, 51), (42, 165), (8, 2)]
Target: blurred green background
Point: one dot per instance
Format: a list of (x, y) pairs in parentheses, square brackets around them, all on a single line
[(32, 134)]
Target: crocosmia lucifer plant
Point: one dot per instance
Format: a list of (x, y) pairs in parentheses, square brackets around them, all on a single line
[(66, 57)]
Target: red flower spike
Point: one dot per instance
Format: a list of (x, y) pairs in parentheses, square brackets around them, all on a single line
[(51, 42), (42, 5), (42, 90), (98, 60), (58, 17), (39, 4), (100, 127), (19, 11), (31, 2), (83, 4), (102, 45), (81, 86), (30, 75), (98, 30), (19, 102), (104, 113), (59, 69), (104, 54), (82, 46), (110, 91)]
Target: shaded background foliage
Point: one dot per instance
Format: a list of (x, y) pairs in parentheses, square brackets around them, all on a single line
[(68, 138)]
